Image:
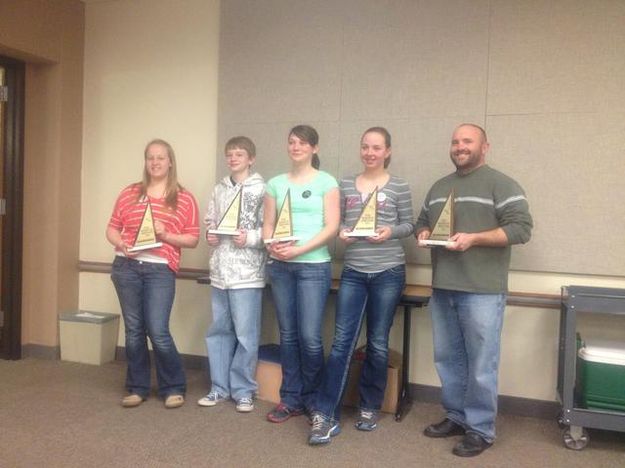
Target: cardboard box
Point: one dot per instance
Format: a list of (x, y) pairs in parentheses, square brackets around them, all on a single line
[(269, 377), (88, 337), (393, 380), (269, 373)]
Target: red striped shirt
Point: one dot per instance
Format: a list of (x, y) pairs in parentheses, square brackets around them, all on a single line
[(128, 213)]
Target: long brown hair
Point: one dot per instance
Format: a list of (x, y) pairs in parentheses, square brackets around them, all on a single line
[(173, 187)]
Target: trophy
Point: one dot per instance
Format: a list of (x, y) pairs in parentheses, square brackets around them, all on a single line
[(146, 235), (229, 223), (444, 227), (367, 221), (283, 230)]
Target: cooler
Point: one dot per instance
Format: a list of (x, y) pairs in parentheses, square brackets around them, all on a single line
[(602, 375)]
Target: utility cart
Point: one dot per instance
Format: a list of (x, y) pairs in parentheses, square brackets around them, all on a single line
[(574, 417)]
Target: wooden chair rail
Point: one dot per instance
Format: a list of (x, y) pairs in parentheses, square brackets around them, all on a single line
[(523, 299)]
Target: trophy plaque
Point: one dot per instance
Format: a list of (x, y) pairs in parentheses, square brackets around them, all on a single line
[(368, 219), (146, 235), (283, 230), (229, 223), (444, 227)]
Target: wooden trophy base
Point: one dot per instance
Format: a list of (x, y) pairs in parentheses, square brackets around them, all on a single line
[(436, 243), (361, 234), (281, 239), (222, 232), (138, 248)]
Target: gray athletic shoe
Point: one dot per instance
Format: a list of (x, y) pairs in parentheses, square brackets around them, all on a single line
[(322, 429), (367, 420)]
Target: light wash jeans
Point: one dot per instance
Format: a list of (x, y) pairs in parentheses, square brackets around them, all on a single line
[(146, 293), (232, 341), (467, 335), (300, 291), (374, 296)]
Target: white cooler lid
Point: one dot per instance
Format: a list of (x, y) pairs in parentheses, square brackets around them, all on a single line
[(607, 352)]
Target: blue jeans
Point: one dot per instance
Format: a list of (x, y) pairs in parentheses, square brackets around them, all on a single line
[(467, 335), (300, 291), (375, 295), (146, 294), (232, 341)]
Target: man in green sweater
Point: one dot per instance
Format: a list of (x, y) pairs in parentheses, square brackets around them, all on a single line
[(470, 283)]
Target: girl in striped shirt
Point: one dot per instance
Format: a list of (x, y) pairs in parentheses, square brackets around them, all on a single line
[(145, 279)]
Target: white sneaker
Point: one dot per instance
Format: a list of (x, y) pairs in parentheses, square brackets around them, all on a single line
[(245, 405), (211, 399)]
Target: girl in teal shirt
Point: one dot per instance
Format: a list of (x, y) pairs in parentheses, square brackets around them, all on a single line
[(300, 271)]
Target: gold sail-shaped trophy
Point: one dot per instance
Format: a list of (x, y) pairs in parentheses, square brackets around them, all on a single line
[(444, 226), (283, 230), (146, 235), (368, 219), (229, 223)]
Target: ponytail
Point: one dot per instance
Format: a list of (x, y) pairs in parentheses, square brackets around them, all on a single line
[(315, 161)]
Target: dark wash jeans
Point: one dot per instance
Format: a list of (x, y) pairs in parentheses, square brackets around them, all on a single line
[(146, 294), (300, 291), (374, 296)]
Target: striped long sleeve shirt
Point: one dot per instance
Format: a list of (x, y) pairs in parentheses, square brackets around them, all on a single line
[(394, 207)]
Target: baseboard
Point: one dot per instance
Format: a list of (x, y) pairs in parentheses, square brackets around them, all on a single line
[(516, 406), (41, 351)]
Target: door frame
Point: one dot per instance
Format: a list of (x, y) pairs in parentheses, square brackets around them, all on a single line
[(12, 225)]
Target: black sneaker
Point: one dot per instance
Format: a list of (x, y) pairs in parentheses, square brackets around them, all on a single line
[(472, 444), (445, 428), (282, 412)]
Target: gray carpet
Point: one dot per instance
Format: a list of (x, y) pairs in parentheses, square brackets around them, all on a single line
[(60, 414)]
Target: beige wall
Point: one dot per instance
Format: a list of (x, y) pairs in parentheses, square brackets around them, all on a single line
[(48, 36), (150, 72)]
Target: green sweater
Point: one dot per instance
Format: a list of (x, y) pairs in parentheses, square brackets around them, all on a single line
[(484, 199)]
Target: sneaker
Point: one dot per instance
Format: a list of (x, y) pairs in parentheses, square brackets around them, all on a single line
[(245, 405), (282, 412), (132, 400), (322, 429), (211, 399), (367, 420)]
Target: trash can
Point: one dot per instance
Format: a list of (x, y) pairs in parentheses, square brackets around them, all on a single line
[(88, 337)]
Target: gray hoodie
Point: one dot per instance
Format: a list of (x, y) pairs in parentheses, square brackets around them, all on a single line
[(232, 267)]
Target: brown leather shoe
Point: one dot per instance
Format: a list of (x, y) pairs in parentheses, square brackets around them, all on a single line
[(445, 428), (174, 401), (471, 445), (132, 400)]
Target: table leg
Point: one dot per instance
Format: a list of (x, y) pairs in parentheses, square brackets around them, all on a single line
[(405, 401)]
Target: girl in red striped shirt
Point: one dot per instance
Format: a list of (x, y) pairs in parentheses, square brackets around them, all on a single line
[(145, 279)]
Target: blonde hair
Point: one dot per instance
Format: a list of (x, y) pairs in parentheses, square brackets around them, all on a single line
[(173, 187)]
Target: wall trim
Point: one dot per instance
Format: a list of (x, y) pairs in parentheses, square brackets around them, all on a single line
[(41, 352), (524, 299), (517, 406)]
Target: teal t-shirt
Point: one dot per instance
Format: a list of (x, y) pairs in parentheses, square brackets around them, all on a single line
[(306, 210)]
